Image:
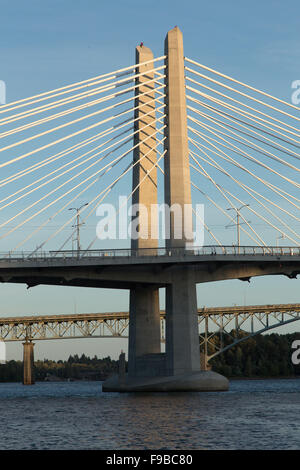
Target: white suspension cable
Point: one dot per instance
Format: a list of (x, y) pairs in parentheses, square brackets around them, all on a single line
[(70, 111), (211, 200), (62, 139), (206, 227), (81, 144), (242, 83), (277, 135), (264, 182), (219, 207), (67, 171), (254, 146), (62, 196), (65, 165), (95, 200), (112, 75), (266, 220), (119, 144), (194, 90), (135, 189), (223, 171), (77, 195), (205, 173), (260, 138), (243, 154), (76, 97), (241, 93), (275, 188)]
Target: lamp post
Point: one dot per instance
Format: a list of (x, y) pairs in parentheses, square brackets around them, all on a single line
[(238, 210), (278, 238), (78, 224)]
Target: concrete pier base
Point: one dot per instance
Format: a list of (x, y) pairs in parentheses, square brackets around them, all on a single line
[(202, 381)]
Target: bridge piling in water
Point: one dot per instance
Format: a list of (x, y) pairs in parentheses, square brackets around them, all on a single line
[(182, 339), (28, 363), (144, 329)]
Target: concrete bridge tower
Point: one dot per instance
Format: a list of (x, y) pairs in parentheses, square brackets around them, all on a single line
[(182, 339), (179, 367), (144, 326)]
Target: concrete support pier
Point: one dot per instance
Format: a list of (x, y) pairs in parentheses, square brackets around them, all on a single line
[(144, 331), (182, 338), (28, 363)]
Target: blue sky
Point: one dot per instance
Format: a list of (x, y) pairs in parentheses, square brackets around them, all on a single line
[(47, 44), (51, 43)]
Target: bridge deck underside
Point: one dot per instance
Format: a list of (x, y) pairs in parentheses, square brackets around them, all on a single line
[(125, 276)]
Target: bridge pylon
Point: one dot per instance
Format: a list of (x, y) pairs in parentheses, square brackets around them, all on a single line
[(144, 311), (179, 367), (28, 363), (182, 341)]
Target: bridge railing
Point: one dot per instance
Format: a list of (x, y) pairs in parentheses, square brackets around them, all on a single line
[(155, 252)]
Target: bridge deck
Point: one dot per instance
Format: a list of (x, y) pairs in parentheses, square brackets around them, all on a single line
[(149, 256), (237, 309)]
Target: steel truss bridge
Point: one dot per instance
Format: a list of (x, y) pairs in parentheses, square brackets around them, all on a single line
[(213, 323)]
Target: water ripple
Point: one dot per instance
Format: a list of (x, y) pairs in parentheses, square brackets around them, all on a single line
[(258, 414)]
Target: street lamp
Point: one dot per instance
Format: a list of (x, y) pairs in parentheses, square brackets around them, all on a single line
[(78, 224), (278, 238), (238, 210)]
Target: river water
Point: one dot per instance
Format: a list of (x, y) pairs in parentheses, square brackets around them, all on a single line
[(253, 414)]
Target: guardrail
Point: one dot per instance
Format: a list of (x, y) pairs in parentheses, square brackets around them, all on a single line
[(154, 252)]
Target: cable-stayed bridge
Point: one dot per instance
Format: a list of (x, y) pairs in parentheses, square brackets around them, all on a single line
[(221, 141)]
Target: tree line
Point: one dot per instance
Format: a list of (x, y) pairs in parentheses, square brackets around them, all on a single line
[(75, 368), (260, 356)]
